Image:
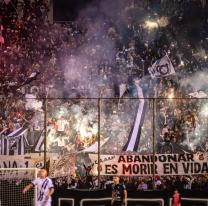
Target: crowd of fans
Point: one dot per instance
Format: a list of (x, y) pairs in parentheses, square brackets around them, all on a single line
[(85, 59), (135, 183), (80, 59)]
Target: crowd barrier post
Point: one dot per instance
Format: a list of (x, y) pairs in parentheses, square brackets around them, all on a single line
[(99, 110), (45, 133), (154, 125)]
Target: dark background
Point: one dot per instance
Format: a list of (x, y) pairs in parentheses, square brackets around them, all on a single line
[(97, 10), (67, 10), (191, 195)]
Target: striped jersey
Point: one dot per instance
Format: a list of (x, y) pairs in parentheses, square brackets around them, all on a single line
[(43, 187)]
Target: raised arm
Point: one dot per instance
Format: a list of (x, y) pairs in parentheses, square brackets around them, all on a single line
[(84, 165)]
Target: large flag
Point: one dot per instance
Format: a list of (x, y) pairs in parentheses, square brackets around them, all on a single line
[(40, 140), (134, 136), (13, 144), (38, 144), (122, 89), (32, 77), (161, 68)]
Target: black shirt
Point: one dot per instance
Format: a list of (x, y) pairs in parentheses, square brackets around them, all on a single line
[(168, 137), (118, 192)]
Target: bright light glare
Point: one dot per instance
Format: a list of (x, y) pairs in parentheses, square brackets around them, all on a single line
[(94, 131), (83, 132), (170, 97), (206, 111), (151, 24)]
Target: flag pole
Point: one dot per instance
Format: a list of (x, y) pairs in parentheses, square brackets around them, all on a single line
[(1, 37), (99, 108), (154, 125), (45, 126)]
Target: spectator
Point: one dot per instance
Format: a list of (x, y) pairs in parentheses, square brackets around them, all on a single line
[(167, 140), (85, 184), (195, 185), (142, 186), (204, 185), (78, 59)]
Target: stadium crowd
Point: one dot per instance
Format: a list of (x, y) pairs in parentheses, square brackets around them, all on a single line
[(135, 183), (79, 59)]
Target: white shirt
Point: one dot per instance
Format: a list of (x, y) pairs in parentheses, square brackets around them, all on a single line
[(69, 149), (61, 125), (61, 141), (16, 126), (96, 183), (11, 83), (43, 186), (75, 186)]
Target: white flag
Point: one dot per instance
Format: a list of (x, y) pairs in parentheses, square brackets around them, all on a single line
[(161, 68), (199, 94), (122, 88)]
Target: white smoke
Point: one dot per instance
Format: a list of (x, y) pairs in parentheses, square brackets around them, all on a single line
[(162, 22)]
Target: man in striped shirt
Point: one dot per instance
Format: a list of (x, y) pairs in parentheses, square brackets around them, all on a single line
[(45, 189)]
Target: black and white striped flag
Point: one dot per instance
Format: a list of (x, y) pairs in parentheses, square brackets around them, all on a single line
[(13, 144), (38, 144), (134, 136)]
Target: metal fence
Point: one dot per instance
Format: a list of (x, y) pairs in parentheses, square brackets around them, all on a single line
[(63, 126)]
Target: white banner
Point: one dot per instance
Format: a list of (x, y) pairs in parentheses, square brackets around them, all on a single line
[(180, 164), (63, 166), (25, 163), (57, 165)]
